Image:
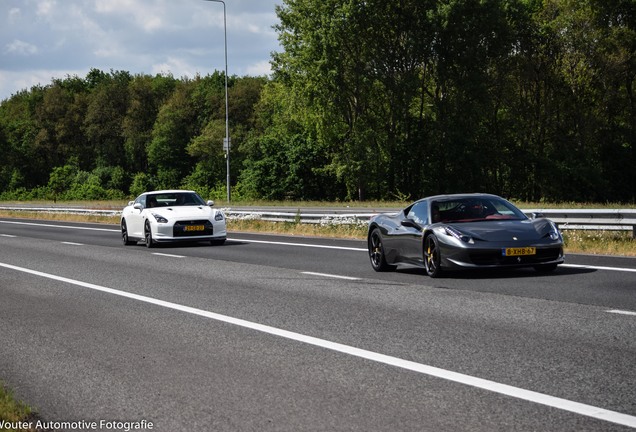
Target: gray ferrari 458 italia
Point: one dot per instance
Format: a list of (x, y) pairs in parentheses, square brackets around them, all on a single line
[(463, 231)]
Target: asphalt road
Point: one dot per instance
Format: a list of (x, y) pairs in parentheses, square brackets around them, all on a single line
[(298, 334)]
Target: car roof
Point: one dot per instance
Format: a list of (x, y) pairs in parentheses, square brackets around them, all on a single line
[(167, 191), (459, 196)]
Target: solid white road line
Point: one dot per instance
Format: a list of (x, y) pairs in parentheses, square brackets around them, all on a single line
[(621, 312), (7, 235), (61, 226), (599, 267), (72, 243), (504, 389), (168, 255), (331, 276)]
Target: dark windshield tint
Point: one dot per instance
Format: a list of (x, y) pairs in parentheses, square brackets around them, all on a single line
[(174, 199), (475, 209)]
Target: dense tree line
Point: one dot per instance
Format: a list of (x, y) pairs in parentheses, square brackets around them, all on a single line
[(531, 99)]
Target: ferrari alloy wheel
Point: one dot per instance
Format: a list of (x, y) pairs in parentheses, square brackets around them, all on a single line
[(376, 253), (432, 257), (148, 235), (124, 234)]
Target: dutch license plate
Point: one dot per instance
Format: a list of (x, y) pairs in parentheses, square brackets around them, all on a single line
[(193, 228), (519, 251)]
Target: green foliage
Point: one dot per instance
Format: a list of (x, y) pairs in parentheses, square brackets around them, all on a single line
[(375, 99), (142, 182)]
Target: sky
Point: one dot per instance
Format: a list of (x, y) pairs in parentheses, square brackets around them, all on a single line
[(45, 39)]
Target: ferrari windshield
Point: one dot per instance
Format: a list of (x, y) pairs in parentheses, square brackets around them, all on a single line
[(174, 199), (472, 209)]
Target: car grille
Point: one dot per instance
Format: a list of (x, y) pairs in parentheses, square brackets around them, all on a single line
[(495, 258), (185, 228)]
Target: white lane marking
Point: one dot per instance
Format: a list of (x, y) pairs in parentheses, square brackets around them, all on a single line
[(299, 244), (168, 255), (592, 267), (515, 392), (7, 235), (61, 226), (72, 243), (331, 276), (621, 312)]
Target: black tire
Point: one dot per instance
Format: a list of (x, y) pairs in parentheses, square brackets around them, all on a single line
[(150, 243), (545, 268), (376, 252), (432, 257), (124, 234)]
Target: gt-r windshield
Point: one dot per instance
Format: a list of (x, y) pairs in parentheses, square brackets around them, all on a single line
[(174, 199), (473, 209)]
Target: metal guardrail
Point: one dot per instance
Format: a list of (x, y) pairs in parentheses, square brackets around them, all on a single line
[(580, 219)]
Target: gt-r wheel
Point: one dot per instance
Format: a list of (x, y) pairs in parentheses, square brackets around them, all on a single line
[(432, 257), (376, 253), (148, 235), (124, 234)]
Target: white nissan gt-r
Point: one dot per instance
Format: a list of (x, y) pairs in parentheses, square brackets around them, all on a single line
[(172, 216)]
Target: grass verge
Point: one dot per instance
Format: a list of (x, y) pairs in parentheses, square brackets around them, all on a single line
[(15, 412)]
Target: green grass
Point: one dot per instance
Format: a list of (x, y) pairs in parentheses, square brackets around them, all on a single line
[(14, 411)]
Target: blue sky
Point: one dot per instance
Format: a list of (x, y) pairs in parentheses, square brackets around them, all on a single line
[(45, 39)]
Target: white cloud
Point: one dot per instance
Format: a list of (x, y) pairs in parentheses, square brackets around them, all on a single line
[(258, 69), (175, 66), (41, 39), (14, 15), (44, 8), (21, 48)]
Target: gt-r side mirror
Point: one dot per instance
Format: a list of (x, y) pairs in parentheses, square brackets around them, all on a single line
[(537, 215), (210, 203), (138, 206)]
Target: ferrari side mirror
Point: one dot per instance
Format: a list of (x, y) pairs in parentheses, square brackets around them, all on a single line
[(409, 223)]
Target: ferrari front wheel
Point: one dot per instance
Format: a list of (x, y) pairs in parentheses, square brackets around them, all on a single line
[(376, 253), (432, 257)]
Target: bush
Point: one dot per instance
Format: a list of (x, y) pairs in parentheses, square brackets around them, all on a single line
[(141, 183)]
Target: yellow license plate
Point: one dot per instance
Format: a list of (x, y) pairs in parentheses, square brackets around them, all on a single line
[(519, 251), (193, 228)]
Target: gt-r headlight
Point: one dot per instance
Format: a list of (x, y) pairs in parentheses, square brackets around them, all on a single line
[(160, 218), (458, 235), (218, 217)]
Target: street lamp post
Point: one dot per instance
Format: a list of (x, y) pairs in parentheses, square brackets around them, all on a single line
[(226, 141)]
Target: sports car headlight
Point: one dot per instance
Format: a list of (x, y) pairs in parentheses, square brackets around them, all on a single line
[(458, 235), (554, 232), (218, 217), (160, 218)]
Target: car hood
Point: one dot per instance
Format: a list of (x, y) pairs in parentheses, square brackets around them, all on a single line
[(499, 231), (199, 212)]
